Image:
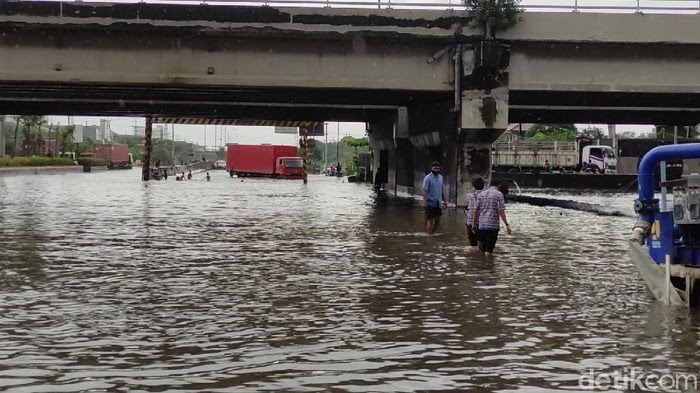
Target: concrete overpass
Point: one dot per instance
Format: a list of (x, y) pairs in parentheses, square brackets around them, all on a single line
[(428, 86)]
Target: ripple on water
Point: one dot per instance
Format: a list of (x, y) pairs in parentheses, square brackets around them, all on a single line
[(266, 285)]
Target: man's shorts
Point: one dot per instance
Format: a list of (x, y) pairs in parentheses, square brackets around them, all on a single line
[(432, 212)]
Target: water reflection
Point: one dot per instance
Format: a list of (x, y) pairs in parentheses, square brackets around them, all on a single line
[(271, 285)]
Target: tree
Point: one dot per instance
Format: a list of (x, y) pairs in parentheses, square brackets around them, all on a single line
[(627, 135), (14, 140), (493, 15), (66, 139), (355, 142), (552, 132), (594, 132)]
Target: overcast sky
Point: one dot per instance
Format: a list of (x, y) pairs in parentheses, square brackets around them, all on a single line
[(220, 135)]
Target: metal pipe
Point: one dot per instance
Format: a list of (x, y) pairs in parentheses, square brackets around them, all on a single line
[(651, 160)]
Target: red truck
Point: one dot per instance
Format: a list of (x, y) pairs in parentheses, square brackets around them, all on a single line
[(264, 160), (116, 155)]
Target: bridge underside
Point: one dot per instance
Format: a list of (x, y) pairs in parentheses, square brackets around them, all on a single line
[(223, 102), (322, 104)]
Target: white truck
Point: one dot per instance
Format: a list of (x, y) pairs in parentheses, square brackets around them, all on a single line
[(568, 156)]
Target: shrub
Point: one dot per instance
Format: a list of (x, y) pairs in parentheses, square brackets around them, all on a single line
[(35, 161)]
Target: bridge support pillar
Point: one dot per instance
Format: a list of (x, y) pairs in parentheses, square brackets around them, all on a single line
[(146, 169), (483, 119), (383, 145)]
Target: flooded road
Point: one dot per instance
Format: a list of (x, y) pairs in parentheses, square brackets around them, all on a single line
[(265, 285)]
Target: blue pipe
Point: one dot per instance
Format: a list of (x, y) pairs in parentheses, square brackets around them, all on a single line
[(645, 176)]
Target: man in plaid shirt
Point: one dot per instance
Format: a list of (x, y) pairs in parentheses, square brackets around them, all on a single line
[(490, 205)]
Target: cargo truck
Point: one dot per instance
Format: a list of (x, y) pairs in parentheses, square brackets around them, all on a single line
[(264, 161), (116, 156)]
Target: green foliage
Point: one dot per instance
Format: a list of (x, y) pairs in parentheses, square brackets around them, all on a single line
[(552, 132), (627, 135), (594, 132), (355, 142), (494, 15), (65, 139), (86, 146), (91, 161), (35, 161)]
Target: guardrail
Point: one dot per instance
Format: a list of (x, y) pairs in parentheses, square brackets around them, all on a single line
[(535, 146), (603, 6)]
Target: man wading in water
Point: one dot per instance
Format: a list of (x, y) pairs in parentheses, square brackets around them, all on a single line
[(433, 197), (490, 206)]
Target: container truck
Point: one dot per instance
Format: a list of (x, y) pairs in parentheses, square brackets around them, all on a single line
[(116, 156), (264, 161), (523, 156)]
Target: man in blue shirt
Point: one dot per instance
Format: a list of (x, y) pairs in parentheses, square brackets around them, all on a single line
[(433, 197)]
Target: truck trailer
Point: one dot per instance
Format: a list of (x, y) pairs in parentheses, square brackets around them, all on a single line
[(264, 161), (116, 155)]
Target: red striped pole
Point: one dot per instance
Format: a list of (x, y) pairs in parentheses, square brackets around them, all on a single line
[(304, 152), (146, 169)]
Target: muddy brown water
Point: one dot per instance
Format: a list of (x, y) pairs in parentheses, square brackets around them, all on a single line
[(107, 284)]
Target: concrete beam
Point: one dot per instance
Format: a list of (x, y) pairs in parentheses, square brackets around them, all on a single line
[(653, 68), (253, 62), (605, 28), (213, 20)]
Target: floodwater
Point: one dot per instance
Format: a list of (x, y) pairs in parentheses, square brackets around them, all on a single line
[(107, 284)]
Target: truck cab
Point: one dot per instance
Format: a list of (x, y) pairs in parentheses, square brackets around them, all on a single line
[(601, 156), (289, 167)]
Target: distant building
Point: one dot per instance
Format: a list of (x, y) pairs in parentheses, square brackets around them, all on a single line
[(160, 131), (139, 131)]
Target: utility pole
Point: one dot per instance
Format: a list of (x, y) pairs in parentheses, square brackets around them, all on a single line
[(337, 144), (172, 149), (325, 147)]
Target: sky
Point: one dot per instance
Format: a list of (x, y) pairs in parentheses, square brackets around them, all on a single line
[(218, 135), (249, 135)]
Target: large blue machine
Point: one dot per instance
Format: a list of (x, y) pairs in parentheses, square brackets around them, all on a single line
[(674, 232)]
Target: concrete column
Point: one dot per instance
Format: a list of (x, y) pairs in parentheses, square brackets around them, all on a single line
[(432, 130), (483, 119), (146, 169), (383, 145)]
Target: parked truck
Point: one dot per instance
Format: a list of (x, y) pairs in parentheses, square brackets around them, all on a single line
[(264, 161), (526, 156), (116, 155)]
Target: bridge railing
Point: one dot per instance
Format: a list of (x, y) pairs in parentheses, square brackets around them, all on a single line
[(603, 6), (534, 146)]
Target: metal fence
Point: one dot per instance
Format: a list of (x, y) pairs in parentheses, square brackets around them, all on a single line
[(534, 146), (603, 6)]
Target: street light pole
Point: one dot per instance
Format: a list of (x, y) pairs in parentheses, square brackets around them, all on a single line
[(172, 148), (337, 144), (325, 147)]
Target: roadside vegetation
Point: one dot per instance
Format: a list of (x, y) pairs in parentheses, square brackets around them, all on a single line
[(34, 161)]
